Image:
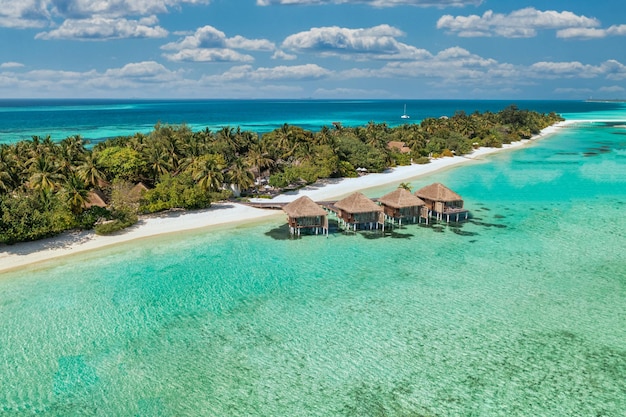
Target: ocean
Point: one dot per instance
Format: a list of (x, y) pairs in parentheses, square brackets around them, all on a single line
[(520, 311), (96, 120)]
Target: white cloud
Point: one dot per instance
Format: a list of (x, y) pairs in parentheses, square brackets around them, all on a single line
[(79, 9), (591, 33), (43, 13), (239, 42), (5, 65), (611, 69), (455, 65), (377, 42), (572, 91), (208, 55), (209, 44), (279, 54), (23, 14), (132, 78), (612, 89), (279, 73), (146, 71), (378, 3), (349, 92), (522, 23), (100, 28)]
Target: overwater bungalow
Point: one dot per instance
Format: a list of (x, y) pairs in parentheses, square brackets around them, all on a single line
[(304, 213), (357, 211), (400, 205), (442, 202)]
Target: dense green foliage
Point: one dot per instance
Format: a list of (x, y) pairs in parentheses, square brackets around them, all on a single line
[(47, 187)]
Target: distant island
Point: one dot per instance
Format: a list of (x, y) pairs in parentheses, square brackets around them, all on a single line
[(48, 187), (605, 100)]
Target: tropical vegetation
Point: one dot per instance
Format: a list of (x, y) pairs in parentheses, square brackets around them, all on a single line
[(47, 187)]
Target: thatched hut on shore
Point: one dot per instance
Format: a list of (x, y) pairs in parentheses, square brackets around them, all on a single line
[(442, 202), (356, 211), (304, 213), (137, 191), (401, 205), (95, 198)]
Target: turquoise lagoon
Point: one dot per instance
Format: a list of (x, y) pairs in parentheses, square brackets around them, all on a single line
[(519, 312)]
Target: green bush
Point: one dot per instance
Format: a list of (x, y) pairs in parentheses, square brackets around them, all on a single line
[(122, 220)]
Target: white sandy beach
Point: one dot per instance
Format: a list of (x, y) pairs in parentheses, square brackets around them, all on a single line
[(22, 254)]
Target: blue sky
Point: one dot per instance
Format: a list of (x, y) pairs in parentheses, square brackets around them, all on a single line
[(404, 49)]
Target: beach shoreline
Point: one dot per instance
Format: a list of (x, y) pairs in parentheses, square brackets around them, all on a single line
[(20, 255)]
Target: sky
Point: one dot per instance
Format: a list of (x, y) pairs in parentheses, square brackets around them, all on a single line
[(318, 49)]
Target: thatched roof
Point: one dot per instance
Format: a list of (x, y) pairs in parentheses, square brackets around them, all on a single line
[(95, 198), (137, 190), (400, 198), (358, 203), (303, 207), (437, 192), (398, 146)]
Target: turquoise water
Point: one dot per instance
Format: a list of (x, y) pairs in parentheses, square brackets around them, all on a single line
[(96, 120), (519, 312)]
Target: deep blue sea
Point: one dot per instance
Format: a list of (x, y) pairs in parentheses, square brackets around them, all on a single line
[(96, 120), (519, 312)]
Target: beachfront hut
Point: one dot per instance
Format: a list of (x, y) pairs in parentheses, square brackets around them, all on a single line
[(95, 198), (442, 202), (401, 205), (304, 213), (398, 146), (356, 211), (137, 191)]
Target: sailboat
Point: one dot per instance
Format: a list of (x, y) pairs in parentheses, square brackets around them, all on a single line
[(405, 116)]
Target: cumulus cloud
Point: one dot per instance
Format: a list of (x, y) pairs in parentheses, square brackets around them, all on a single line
[(452, 64), (101, 28), (147, 71), (130, 77), (6, 65), (279, 73), (209, 44), (378, 42), (24, 14), (591, 33), (279, 54), (612, 89), (79, 9), (611, 69), (522, 23), (378, 3), (66, 13)]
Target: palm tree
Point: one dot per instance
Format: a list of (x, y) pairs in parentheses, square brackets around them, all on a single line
[(258, 160), (75, 192), (239, 176), (158, 161), (207, 172), (405, 185), (45, 174), (90, 172), (229, 136)]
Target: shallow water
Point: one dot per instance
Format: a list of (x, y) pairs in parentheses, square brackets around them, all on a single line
[(520, 311)]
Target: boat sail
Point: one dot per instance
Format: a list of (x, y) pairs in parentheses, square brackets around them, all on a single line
[(404, 115)]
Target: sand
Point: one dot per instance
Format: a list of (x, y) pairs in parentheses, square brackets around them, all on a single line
[(22, 254)]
